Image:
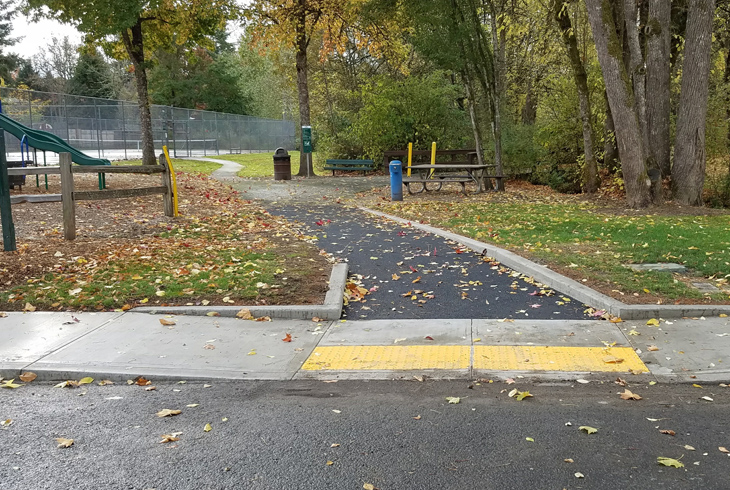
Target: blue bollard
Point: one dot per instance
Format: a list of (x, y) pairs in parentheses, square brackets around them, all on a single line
[(396, 180)]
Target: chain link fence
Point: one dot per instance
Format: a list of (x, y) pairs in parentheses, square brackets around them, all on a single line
[(108, 128)]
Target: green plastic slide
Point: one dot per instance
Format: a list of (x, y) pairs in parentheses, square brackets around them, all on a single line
[(43, 140)]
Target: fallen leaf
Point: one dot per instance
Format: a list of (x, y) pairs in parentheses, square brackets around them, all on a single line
[(583, 381), (428, 337), (667, 432), (337, 411), (589, 430), (620, 382), (723, 450), (192, 405), (529, 439), (6, 423), (150, 388), (707, 398), (521, 395), (166, 322), (252, 352), (416, 280), (453, 399), (86, 381), (212, 313), (10, 384), (417, 417), (244, 314), (317, 319), (69, 383), (29, 307), (579, 475), (627, 395), (28, 376), (611, 359), (334, 445), (168, 438), (669, 462), (63, 442), (395, 277), (633, 332), (209, 346), (3, 314), (207, 428), (141, 381), (166, 412), (696, 385), (652, 348), (568, 460), (287, 338), (105, 382), (330, 463), (368, 486), (653, 322)]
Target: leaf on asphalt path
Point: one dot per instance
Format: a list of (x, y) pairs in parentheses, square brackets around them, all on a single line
[(669, 462), (667, 432), (529, 439), (723, 450), (399, 340), (652, 348), (150, 388), (416, 280), (86, 381), (337, 411), (69, 383), (633, 332), (428, 337), (142, 381), (395, 277), (6, 423), (579, 475), (334, 445), (509, 381), (207, 428), (368, 486), (707, 398), (63, 442), (583, 381), (521, 395), (28, 376), (569, 460), (512, 393), (417, 417), (192, 405), (453, 399), (166, 412), (244, 314), (330, 463), (287, 338), (620, 382), (166, 322), (168, 438), (696, 385), (105, 382), (628, 395), (688, 447), (589, 430), (654, 322)]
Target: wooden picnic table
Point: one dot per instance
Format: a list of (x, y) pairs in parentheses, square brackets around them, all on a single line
[(432, 177)]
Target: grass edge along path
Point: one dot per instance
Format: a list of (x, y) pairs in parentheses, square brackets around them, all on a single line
[(593, 246)]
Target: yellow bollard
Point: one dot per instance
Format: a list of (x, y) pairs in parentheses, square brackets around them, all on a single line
[(174, 181), (410, 157), (433, 158)]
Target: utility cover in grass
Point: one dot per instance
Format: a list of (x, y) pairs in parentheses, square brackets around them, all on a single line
[(661, 267)]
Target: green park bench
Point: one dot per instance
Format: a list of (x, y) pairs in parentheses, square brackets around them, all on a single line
[(350, 166)]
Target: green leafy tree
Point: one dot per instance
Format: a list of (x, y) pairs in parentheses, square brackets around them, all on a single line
[(91, 77), (134, 29)]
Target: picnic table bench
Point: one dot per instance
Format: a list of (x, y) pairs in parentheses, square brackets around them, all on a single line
[(458, 166), (350, 165), (234, 150)]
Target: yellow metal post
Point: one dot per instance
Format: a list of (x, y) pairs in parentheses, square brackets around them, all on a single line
[(174, 181), (433, 158), (410, 157)]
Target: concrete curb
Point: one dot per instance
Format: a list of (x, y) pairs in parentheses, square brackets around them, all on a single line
[(331, 309), (566, 285)]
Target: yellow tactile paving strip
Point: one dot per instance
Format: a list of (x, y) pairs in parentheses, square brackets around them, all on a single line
[(389, 357), (541, 358), (486, 357)]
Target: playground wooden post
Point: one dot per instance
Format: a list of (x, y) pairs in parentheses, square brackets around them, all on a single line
[(167, 197), (6, 213), (67, 197), (173, 179)]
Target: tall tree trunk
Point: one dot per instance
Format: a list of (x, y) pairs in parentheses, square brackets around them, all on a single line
[(134, 44), (471, 100), (621, 99), (636, 67), (496, 98), (306, 167), (590, 179), (658, 108), (529, 110), (726, 80), (688, 171), (610, 150)]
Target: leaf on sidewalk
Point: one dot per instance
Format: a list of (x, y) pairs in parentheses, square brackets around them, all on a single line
[(166, 322)]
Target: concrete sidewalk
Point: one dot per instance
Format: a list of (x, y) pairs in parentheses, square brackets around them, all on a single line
[(121, 346)]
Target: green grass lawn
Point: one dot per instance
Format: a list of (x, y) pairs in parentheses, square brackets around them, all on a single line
[(262, 164), (592, 244), (180, 165)]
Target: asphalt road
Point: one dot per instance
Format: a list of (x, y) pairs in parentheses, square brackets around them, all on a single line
[(393, 435), (463, 284)]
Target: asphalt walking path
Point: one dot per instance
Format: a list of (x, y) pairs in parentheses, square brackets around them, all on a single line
[(432, 308)]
